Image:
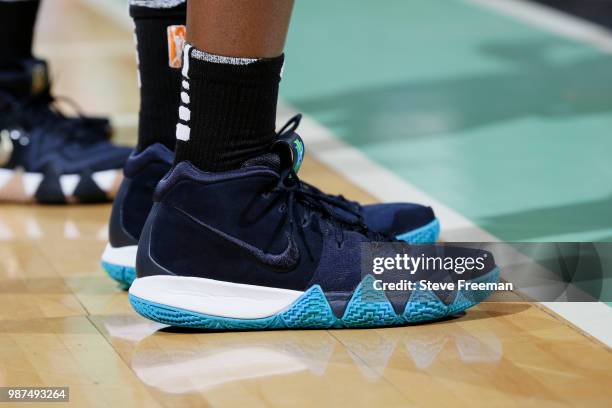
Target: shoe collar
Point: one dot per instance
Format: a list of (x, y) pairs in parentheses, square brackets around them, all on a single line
[(156, 152), (185, 170), (24, 78)]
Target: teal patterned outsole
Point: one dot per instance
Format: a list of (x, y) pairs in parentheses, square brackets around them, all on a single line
[(125, 275), (367, 307), (427, 234)]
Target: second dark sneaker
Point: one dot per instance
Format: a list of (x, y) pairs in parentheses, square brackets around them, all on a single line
[(46, 157), (131, 207)]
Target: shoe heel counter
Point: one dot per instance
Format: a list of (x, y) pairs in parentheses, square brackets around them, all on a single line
[(118, 236), (133, 203), (145, 264)]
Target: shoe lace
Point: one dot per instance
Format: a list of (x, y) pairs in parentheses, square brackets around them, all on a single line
[(353, 204), (328, 206), (40, 110)]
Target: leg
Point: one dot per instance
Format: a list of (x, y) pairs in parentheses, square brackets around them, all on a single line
[(219, 101), (240, 28), (160, 34), (230, 86)]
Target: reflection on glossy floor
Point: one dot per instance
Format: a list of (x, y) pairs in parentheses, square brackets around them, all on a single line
[(64, 323)]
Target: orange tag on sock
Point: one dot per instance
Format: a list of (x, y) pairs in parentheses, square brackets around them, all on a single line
[(176, 39)]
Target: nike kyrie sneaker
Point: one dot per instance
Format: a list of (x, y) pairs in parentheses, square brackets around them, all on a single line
[(47, 157), (253, 248), (408, 222), (132, 204)]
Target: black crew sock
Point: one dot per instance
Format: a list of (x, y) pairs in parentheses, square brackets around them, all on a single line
[(17, 19), (228, 109), (160, 31)]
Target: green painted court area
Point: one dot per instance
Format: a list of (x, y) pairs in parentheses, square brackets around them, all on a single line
[(508, 125)]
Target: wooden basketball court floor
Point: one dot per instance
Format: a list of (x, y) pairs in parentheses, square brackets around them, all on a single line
[(64, 323)]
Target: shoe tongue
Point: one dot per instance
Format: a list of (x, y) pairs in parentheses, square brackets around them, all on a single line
[(290, 149), (286, 151), (24, 78), (271, 160)]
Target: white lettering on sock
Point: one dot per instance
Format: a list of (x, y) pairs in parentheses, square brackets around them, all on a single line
[(184, 113), (182, 132), (185, 98)]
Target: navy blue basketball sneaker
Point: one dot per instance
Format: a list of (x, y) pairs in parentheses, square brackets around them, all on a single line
[(253, 248), (132, 204), (47, 157), (408, 222)]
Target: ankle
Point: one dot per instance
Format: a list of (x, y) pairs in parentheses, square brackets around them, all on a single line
[(228, 109)]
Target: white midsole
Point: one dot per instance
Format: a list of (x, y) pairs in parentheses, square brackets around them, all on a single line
[(29, 182), (123, 256), (213, 297)]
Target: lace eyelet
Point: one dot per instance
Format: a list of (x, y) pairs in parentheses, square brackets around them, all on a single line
[(282, 208), (305, 222)]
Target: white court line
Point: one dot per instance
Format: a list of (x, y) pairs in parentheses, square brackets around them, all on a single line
[(593, 318), (551, 20)]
